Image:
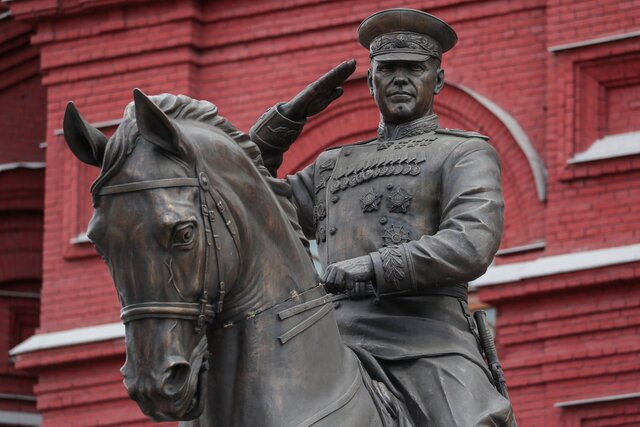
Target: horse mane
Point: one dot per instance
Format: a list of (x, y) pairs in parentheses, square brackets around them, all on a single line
[(179, 107)]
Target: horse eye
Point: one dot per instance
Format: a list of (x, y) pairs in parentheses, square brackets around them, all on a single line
[(184, 235)]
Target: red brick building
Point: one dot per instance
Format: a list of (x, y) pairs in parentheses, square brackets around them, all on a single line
[(555, 83)]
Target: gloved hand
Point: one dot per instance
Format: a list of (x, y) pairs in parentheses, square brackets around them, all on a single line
[(319, 94), (342, 276)]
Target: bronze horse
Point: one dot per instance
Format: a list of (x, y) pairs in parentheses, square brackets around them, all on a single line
[(226, 323)]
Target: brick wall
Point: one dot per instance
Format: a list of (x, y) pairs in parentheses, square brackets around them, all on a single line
[(22, 120), (276, 61), (623, 107), (246, 55), (570, 337)]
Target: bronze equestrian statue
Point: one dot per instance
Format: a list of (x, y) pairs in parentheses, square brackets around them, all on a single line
[(403, 221), (226, 320), (226, 323)]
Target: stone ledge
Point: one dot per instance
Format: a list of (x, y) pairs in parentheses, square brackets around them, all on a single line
[(558, 264), (601, 399), (609, 147), (49, 340)]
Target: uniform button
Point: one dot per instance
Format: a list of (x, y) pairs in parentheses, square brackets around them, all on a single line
[(335, 198), (389, 186), (383, 220), (347, 153), (333, 230)]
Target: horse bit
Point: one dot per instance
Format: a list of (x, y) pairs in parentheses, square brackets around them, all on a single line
[(201, 312)]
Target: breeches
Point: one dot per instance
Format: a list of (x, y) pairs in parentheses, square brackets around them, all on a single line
[(449, 391)]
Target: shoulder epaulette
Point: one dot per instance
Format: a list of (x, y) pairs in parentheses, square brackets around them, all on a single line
[(366, 141), (462, 133)]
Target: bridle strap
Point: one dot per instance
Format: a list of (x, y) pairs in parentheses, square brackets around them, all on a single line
[(201, 312), (149, 185), (166, 310)]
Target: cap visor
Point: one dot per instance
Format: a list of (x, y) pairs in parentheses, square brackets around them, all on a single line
[(401, 56)]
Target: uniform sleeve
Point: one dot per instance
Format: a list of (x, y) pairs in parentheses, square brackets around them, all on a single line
[(273, 134), (472, 212), (303, 197)]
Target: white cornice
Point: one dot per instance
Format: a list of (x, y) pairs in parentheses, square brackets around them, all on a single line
[(522, 248), (495, 275), (98, 125), (21, 165), (558, 264), (20, 418), (77, 336), (610, 147), (594, 400), (591, 42)]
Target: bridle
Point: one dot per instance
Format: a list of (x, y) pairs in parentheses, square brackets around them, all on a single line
[(202, 312)]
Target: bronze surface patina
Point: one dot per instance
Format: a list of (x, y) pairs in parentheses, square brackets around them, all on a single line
[(226, 320)]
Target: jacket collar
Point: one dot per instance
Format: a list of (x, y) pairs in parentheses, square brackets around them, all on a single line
[(390, 132)]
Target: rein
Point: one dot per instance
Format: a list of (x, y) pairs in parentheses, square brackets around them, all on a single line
[(201, 312)]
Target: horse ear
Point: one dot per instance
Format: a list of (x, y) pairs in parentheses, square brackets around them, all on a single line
[(85, 141), (155, 126)]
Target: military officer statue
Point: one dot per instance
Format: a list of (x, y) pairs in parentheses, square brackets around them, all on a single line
[(402, 222)]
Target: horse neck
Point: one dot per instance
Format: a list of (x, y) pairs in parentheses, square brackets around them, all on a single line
[(256, 379), (274, 263), (253, 375)]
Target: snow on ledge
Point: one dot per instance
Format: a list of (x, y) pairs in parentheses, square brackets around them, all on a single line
[(611, 146)]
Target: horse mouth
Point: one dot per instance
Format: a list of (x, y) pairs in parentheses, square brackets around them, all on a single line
[(196, 405), (188, 406), (182, 402)]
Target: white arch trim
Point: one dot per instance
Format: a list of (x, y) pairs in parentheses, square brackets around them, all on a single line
[(518, 134)]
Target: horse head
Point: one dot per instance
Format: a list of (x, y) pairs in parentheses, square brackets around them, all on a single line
[(202, 246), (164, 222)]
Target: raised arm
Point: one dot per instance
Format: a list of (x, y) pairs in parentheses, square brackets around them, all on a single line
[(280, 126)]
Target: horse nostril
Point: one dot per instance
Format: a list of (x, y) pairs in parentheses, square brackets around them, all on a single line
[(176, 376), (128, 381)]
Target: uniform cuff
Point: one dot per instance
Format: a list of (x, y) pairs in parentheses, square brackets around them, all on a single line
[(275, 131), (377, 270), (392, 273)]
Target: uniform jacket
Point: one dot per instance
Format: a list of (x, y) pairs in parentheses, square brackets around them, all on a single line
[(427, 208), (426, 204)]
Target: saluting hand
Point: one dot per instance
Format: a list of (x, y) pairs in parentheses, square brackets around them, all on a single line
[(342, 276), (319, 94)]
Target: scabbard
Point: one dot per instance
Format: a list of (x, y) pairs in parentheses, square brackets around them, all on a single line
[(490, 352)]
